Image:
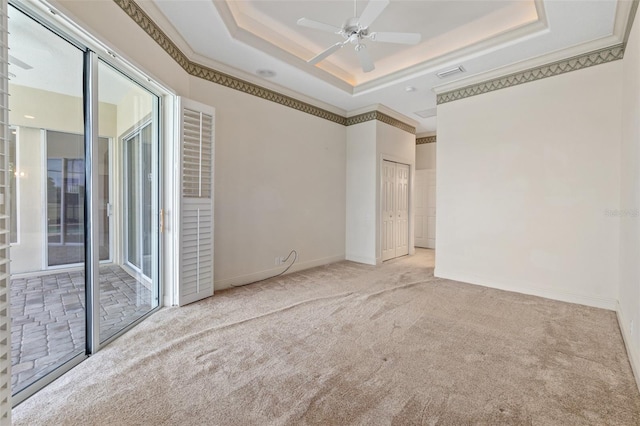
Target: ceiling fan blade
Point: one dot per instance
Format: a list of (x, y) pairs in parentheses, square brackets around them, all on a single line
[(372, 11), (400, 38), (365, 59), (310, 23), (320, 56)]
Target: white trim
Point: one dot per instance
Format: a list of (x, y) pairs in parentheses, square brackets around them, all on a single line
[(267, 273), (634, 358), (361, 259), (563, 296)]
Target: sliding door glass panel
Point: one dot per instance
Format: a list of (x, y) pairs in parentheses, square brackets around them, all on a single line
[(104, 197), (65, 199), (47, 198), (129, 282)]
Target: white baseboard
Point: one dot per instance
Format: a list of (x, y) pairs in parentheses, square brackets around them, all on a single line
[(634, 360), (261, 275), (360, 259), (563, 296)]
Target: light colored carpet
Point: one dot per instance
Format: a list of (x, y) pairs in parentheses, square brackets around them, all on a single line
[(353, 344)]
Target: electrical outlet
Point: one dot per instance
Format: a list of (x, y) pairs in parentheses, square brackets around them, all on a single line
[(282, 260), (278, 261)]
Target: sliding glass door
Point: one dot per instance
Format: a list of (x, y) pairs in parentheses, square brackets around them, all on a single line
[(83, 199)]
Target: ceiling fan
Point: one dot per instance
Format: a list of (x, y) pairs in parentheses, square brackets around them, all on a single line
[(355, 30)]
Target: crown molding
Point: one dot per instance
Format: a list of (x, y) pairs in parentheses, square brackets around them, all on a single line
[(601, 56), (426, 139)]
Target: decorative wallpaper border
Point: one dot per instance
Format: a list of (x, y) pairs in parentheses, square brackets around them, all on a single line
[(426, 139), (380, 116), (586, 60)]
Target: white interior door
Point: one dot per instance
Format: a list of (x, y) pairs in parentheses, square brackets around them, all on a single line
[(402, 210), (395, 210), (421, 213), (388, 173)]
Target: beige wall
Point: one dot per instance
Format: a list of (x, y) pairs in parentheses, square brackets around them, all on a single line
[(54, 111), (629, 294), (426, 156), (279, 185), (526, 178)]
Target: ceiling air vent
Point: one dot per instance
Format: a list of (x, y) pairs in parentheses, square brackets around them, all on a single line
[(426, 113), (450, 72)]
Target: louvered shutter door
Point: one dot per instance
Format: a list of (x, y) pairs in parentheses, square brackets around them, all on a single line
[(196, 213), (5, 315)]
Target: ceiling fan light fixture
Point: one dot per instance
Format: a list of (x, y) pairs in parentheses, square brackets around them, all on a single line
[(450, 72), (355, 30)]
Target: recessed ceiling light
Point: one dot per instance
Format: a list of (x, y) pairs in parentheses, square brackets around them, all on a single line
[(30, 117), (410, 89), (266, 73), (451, 71)]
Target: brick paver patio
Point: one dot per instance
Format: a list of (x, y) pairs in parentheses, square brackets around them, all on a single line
[(48, 320)]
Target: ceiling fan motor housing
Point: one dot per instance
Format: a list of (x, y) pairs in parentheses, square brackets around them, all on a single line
[(352, 27)]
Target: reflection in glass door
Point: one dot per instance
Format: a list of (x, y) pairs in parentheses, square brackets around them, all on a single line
[(65, 198), (139, 199), (129, 283)]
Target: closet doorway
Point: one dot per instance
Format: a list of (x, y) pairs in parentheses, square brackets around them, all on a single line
[(395, 209)]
